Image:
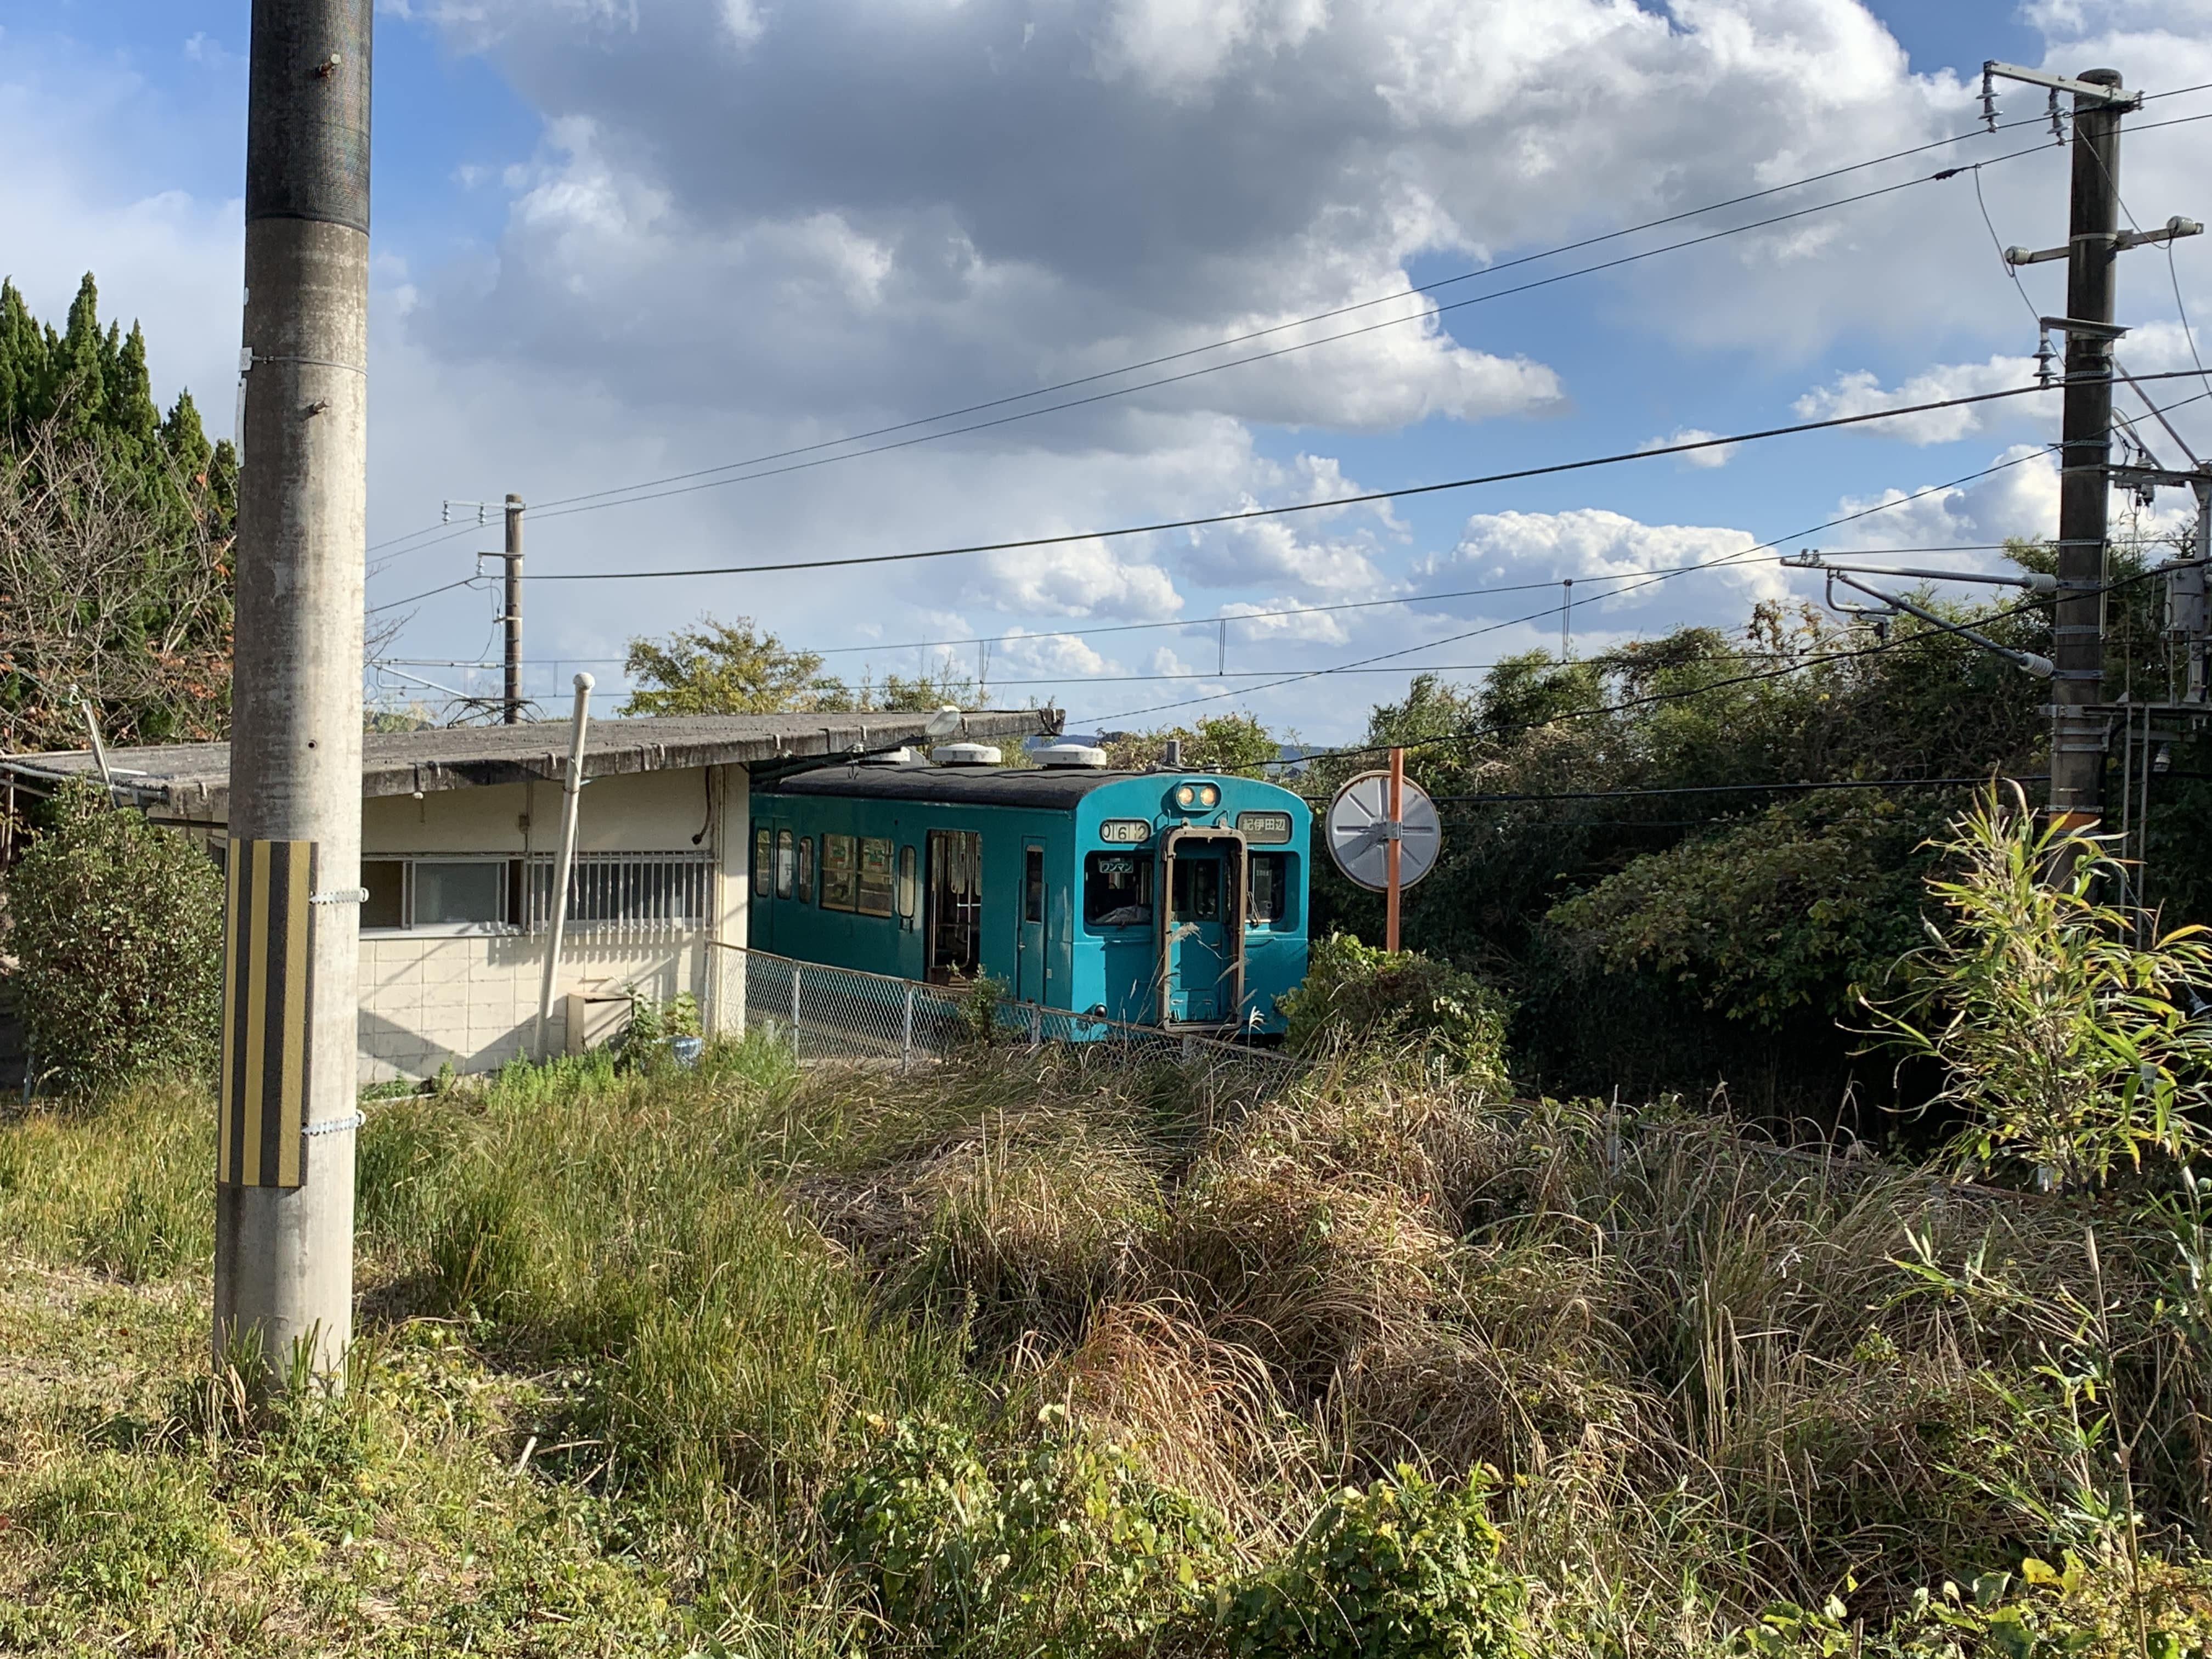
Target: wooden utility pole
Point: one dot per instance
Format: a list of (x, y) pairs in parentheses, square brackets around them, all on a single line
[(513, 618), (1392, 849), (2077, 735), (284, 1177)]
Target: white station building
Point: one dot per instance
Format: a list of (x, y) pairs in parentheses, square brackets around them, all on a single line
[(461, 829)]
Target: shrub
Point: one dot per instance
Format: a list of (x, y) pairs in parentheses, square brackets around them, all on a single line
[(118, 927), (1406, 1568), (1057, 1548), (1354, 993), (2066, 1025)]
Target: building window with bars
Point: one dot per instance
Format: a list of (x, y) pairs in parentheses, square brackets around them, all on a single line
[(629, 894)]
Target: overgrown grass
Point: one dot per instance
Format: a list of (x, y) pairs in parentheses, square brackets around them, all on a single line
[(1033, 1354)]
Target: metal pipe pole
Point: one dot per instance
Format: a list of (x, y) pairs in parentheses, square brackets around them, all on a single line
[(513, 618), (284, 1188), (572, 786), (1390, 849), (2077, 737), (99, 748)]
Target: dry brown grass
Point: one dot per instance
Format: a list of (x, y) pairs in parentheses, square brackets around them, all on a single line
[(1690, 1352)]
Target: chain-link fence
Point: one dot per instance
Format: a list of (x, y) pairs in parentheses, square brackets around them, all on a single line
[(842, 1013)]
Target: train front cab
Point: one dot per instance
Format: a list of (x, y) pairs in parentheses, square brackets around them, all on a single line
[(1225, 855)]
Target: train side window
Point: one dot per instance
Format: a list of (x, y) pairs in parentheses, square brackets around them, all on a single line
[(1198, 890), (1033, 884), (1269, 899), (763, 861), (906, 885), (839, 883), (806, 869), (787, 859), (875, 883), (1117, 891)]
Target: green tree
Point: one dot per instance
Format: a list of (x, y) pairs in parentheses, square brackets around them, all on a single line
[(116, 528), (1236, 744), (727, 668), (1658, 920), (117, 929)]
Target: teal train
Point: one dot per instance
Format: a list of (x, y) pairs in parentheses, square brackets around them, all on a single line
[(1165, 898)]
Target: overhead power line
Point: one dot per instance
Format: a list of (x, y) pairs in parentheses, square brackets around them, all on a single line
[(1364, 498), (1732, 789), (550, 508), (1299, 322), (632, 490), (1545, 614), (1475, 734), (630, 499)]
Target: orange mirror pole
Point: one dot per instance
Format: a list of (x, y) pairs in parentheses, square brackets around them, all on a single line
[(1390, 849)]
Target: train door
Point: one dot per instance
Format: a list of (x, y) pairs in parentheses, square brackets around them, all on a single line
[(954, 928), (775, 877), (1030, 945), (1201, 954)]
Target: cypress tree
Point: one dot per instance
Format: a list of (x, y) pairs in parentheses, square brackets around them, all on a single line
[(90, 468)]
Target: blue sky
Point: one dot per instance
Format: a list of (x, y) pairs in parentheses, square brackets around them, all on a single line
[(621, 239)]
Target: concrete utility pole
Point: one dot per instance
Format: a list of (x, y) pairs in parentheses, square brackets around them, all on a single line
[(513, 618), (283, 1264), (2077, 737)]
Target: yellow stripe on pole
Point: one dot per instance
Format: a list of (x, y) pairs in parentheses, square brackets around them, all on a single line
[(257, 1012), (268, 996), (299, 934)]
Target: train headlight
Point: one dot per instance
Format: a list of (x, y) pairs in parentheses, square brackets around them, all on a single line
[(1208, 795), (1196, 797), (1187, 796)]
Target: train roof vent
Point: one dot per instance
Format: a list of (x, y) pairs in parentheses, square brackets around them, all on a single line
[(966, 754), (904, 755), (1072, 757)]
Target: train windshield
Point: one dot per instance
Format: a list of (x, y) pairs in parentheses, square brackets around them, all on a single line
[(1117, 891)]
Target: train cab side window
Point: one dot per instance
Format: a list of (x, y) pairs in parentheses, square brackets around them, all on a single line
[(806, 869), (1117, 891), (764, 862), (1269, 899)]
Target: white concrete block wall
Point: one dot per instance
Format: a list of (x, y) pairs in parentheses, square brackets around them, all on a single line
[(471, 1001)]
